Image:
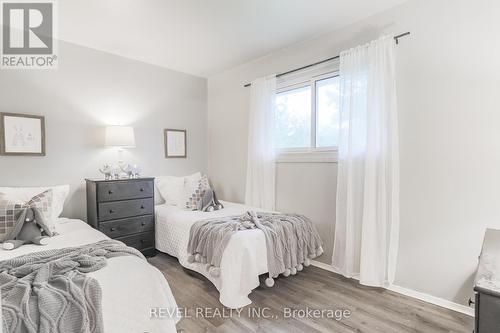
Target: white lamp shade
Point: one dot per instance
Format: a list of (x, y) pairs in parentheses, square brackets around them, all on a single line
[(119, 136)]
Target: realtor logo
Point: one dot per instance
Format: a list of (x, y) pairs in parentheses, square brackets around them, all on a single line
[(28, 34)]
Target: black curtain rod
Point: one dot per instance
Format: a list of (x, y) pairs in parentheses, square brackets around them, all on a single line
[(396, 38)]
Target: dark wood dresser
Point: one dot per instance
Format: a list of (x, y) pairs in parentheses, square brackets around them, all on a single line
[(124, 210), (487, 285)]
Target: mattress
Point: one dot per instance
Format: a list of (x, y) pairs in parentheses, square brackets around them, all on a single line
[(244, 258), (130, 286)]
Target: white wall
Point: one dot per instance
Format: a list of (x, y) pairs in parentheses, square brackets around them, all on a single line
[(448, 83), (309, 189), (92, 89)]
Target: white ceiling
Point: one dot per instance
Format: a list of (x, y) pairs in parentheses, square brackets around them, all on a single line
[(204, 37)]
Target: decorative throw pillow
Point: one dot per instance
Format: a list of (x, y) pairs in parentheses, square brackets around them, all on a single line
[(10, 210), (196, 196), (191, 183)]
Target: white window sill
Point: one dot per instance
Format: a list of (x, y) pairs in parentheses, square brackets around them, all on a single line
[(307, 156)]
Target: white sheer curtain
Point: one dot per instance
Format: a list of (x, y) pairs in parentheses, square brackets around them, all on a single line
[(367, 223), (260, 185)]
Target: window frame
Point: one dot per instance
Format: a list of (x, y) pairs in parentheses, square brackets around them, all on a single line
[(312, 153)]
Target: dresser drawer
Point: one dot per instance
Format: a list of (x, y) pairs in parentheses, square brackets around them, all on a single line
[(140, 241), (132, 225), (119, 190), (121, 209)]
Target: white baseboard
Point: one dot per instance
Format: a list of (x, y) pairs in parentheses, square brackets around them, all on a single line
[(433, 300), (414, 294), (324, 266)]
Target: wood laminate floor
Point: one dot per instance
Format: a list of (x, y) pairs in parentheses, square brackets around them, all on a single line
[(371, 309)]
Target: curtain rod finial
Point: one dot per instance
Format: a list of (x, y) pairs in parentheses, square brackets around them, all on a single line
[(396, 38)]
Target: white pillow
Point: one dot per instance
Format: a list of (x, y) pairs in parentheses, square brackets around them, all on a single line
[(158, 198), (60, 193), (177, 190), (171, 189)]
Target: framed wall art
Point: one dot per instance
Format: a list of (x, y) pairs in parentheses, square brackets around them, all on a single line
[(22, 135), (175, 143)]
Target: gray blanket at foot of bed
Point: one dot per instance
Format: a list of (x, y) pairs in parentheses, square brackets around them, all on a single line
[(49, 292), (291, 240)]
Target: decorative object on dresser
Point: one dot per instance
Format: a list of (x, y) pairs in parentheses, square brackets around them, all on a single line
[(22, 134), (122, 171), (123, 209), (175, 143), (107, 171), (130, 171), (487, 285)]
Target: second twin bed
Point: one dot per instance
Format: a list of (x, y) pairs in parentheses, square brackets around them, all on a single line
[(245, 256)]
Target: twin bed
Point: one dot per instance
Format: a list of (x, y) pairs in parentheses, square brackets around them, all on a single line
[(244, 258), (130, 286), (257, 243)]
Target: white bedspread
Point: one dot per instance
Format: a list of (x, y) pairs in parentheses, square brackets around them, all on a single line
[(130, 286), (244, 258)]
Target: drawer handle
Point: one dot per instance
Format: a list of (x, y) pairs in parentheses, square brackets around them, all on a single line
[(143, 224), (143, 241), (471, 302), (142, 190), (110, 192), (142, 206), (111, 211), (113, 229)]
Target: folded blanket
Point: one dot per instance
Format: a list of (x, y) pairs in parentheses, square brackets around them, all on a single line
[(291, 240), (49, 292)]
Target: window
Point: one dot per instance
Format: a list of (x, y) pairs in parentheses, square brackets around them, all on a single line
[(327, 112), (293, 118), (307, 114)]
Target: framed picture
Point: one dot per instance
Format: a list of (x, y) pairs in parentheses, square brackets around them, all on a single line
[(22, 135), (175, 143)]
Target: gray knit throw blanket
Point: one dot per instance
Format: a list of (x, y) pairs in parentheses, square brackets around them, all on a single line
[(291, 240), (49, 292)]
